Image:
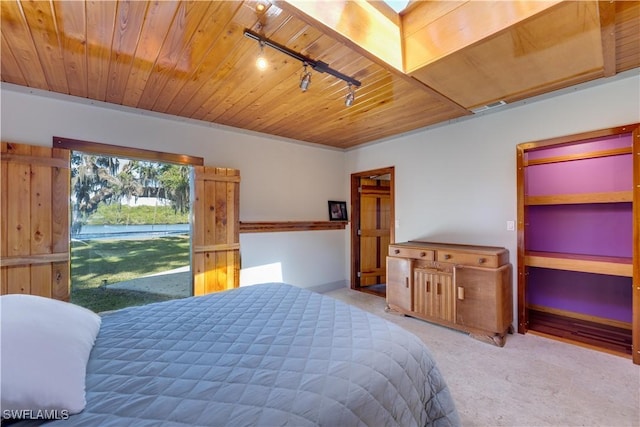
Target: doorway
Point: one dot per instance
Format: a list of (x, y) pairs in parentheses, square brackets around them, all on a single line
[(372, 230)]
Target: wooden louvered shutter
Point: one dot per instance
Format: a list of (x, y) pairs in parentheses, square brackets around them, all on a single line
[(34, 193), (216, 230)]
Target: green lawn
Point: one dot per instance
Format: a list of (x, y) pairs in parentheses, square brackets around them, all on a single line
[(95, 263)]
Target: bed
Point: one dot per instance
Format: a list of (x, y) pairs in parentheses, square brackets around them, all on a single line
[(265, 355)]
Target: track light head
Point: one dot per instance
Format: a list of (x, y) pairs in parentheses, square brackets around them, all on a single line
[(351, 96), (305, 79), (348, 100)]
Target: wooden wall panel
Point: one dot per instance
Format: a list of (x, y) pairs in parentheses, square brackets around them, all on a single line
[(197, 266), (60, 279), (4, 289), (60, 195), (40, 280), (18, 280), (18, 206), (34, 256), (41, 209)]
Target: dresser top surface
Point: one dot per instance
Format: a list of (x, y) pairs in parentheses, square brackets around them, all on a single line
[(419, 244)]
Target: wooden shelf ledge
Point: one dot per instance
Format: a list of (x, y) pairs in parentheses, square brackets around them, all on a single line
[(274, 226), (13, 261), (580, 316), (569, 199), (580, 156), (614, 266)]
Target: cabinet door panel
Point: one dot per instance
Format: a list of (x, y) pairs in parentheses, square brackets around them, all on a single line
[(399, 283), (434, 294), (484, 298), (444, 298), (423, 287)]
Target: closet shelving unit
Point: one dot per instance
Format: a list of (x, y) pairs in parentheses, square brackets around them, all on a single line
[(578, 239)]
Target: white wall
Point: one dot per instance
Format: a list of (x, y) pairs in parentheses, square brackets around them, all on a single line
[(280, 180), (457, 182), (454, 182)]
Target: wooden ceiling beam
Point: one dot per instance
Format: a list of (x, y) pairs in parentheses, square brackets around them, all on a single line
[(607, 12), (361, 25), (432, 31)]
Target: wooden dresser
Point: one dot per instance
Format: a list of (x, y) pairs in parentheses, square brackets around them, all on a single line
[(459, 286)]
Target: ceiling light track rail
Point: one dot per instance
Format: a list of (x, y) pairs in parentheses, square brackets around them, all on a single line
[(318, 66)]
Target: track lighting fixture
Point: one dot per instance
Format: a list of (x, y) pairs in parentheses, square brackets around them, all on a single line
[(261, 62), (319, 66), (351, 96), (305, 78)]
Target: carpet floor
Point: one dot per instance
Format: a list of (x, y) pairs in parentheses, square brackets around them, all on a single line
[(531, 381)]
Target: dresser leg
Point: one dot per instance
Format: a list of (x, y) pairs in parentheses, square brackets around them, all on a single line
[(497, 339), (389, 309)]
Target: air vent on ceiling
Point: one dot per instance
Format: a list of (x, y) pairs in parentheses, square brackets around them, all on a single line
[(488, 107)]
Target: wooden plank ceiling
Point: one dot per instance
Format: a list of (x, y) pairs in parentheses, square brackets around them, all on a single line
[(191, 59)]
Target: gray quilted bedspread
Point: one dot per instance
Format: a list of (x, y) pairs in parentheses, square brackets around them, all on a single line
[(265, 355)]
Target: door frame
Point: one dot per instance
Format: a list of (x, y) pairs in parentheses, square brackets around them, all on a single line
[(355, 217), (102, 149)]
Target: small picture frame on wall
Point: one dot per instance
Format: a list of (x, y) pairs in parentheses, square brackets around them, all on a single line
[(337, 211)]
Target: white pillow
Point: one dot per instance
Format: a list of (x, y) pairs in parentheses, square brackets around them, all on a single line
[(44, 349)]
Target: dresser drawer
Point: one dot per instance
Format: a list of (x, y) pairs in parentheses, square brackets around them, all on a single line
[(478, 260), (415, 253)]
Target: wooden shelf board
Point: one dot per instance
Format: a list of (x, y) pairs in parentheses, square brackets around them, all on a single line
[(589, 334), (580, 156), (581, 198), (274, 226), (615, 266), (579, 343), (13, 261), (580, 316)]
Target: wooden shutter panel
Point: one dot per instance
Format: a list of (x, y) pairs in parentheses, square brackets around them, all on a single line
[(216, 230), (34, 203)]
